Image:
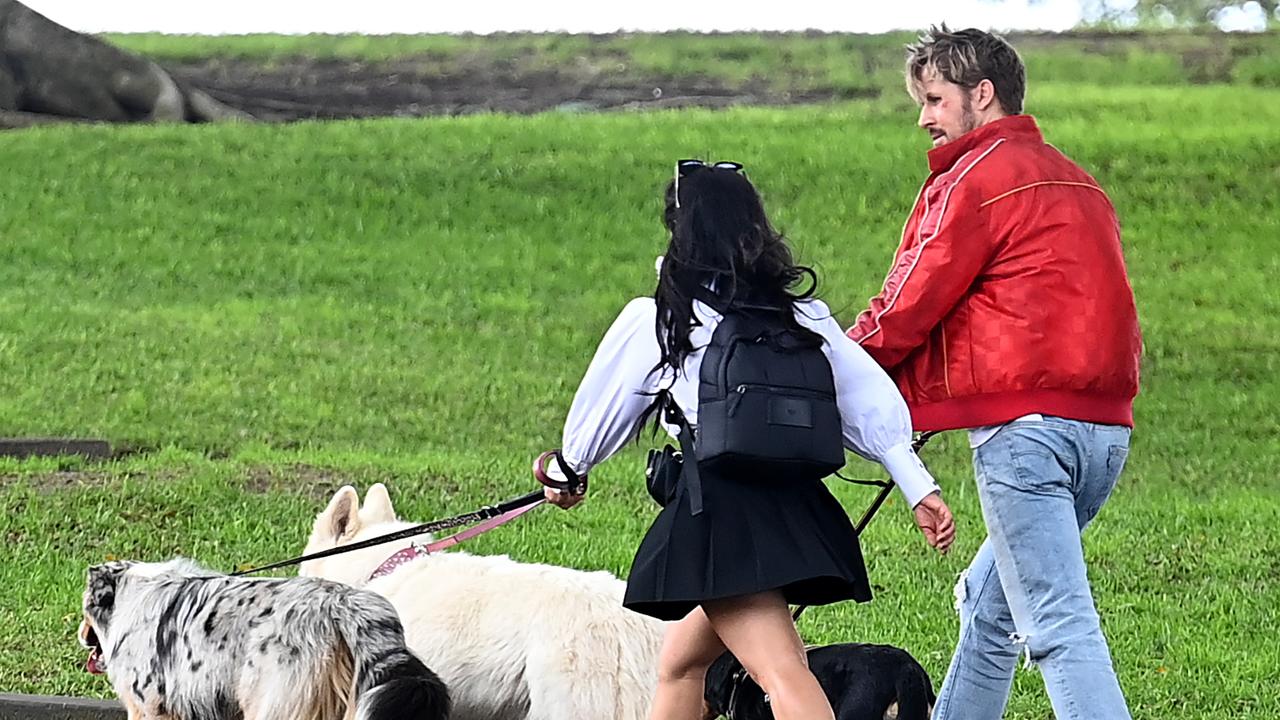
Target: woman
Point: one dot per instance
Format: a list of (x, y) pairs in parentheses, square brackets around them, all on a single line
[(728, 571)]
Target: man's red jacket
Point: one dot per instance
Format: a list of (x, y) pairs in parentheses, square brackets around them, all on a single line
[(1008, 294)]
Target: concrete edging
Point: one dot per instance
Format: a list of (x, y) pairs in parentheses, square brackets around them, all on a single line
[(92, 449), (54, 707)]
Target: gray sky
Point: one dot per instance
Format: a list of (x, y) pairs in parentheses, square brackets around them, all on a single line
[(483, 16)]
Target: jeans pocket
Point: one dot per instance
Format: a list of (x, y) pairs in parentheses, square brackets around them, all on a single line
[(1033, 460), (1023, 457), (1041, 471), (1101, 484), (1115, 459)]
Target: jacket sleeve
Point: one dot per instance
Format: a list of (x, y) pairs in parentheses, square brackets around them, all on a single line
[(929, 278)]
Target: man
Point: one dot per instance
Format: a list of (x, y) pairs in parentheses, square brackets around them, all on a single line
[(1008, 312)]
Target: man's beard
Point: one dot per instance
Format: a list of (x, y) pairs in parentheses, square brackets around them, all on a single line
[(968, 119)]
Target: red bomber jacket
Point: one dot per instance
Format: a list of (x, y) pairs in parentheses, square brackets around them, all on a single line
[(1008, 293)]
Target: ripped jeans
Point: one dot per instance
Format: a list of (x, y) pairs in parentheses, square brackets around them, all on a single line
[(1026, 591)]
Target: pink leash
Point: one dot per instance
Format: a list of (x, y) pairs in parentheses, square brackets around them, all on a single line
[(574, 484), (417, 550), (502, 512), (480, 529), (493, 516)]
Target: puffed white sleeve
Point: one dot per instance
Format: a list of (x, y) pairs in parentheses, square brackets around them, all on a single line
[(877, 424), (615, 391)]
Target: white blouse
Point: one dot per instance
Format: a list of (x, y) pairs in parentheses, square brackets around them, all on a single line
[(619, 386)]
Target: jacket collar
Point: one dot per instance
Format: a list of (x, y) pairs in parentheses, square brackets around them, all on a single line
[(1021, 127)]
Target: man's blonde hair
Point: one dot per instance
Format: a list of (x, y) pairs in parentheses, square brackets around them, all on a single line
[(966, 58)]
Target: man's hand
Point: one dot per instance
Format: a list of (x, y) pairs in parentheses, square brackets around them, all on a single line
[(935, 521)]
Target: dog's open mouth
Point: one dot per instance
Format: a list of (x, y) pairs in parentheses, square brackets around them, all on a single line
[(94, 664)]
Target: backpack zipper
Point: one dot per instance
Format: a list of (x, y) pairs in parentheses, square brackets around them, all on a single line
[(741, 390)]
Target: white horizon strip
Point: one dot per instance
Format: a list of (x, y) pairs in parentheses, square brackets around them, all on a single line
[(376, 17), (942, 214)]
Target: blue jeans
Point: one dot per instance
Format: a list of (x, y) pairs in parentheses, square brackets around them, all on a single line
[(1040, 483)]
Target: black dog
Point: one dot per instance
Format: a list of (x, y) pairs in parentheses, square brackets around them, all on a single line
[(862, 682)]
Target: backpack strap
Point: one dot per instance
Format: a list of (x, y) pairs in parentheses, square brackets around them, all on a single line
[(704, 295), (689, 466), (723, 306)]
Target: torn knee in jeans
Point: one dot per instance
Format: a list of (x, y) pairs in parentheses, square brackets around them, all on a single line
[(962, 589), (1020, 640)]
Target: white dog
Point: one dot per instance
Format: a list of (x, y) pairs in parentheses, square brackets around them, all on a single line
[(512, 641)]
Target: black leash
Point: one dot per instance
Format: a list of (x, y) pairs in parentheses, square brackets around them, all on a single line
[(484, 513), (740, 676), (886, 487)]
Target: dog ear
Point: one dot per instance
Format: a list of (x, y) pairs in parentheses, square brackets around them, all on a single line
[(341, 519), (377, 506), (100, 587)]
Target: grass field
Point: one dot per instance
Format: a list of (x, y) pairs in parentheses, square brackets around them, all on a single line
[(266, 312)]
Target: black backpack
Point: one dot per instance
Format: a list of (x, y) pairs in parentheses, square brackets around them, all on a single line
[(766, 405), (767, 402)]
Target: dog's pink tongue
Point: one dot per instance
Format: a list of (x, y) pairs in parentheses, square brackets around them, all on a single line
[(94, 663)]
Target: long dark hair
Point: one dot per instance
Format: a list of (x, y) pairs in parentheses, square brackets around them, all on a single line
[(721, 239)]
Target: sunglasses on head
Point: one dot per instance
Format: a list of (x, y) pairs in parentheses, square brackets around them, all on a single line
[(685, 167)]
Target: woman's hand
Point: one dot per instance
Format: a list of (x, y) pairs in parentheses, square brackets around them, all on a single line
[(564, 498), (549, 473), (935, 521)]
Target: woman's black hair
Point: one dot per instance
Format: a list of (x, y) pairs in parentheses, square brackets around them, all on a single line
[(722, 249)]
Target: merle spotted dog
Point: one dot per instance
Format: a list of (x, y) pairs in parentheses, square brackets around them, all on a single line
[(178, 641)]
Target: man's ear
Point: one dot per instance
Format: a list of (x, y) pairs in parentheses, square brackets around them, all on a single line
[(341, 519), (377, 506), (983, 96)]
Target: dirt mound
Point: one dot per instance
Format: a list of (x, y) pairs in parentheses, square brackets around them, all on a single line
[(301, 89)]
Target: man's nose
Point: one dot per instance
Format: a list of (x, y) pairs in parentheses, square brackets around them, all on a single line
[(925, 119)]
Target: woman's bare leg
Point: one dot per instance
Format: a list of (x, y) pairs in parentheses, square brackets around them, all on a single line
[(688, 649), (760, 632)]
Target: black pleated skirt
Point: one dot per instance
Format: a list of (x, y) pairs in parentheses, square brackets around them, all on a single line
[(751, 536)]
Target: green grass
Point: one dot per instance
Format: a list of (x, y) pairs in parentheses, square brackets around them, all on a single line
[(847, 64), (271, 311)]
